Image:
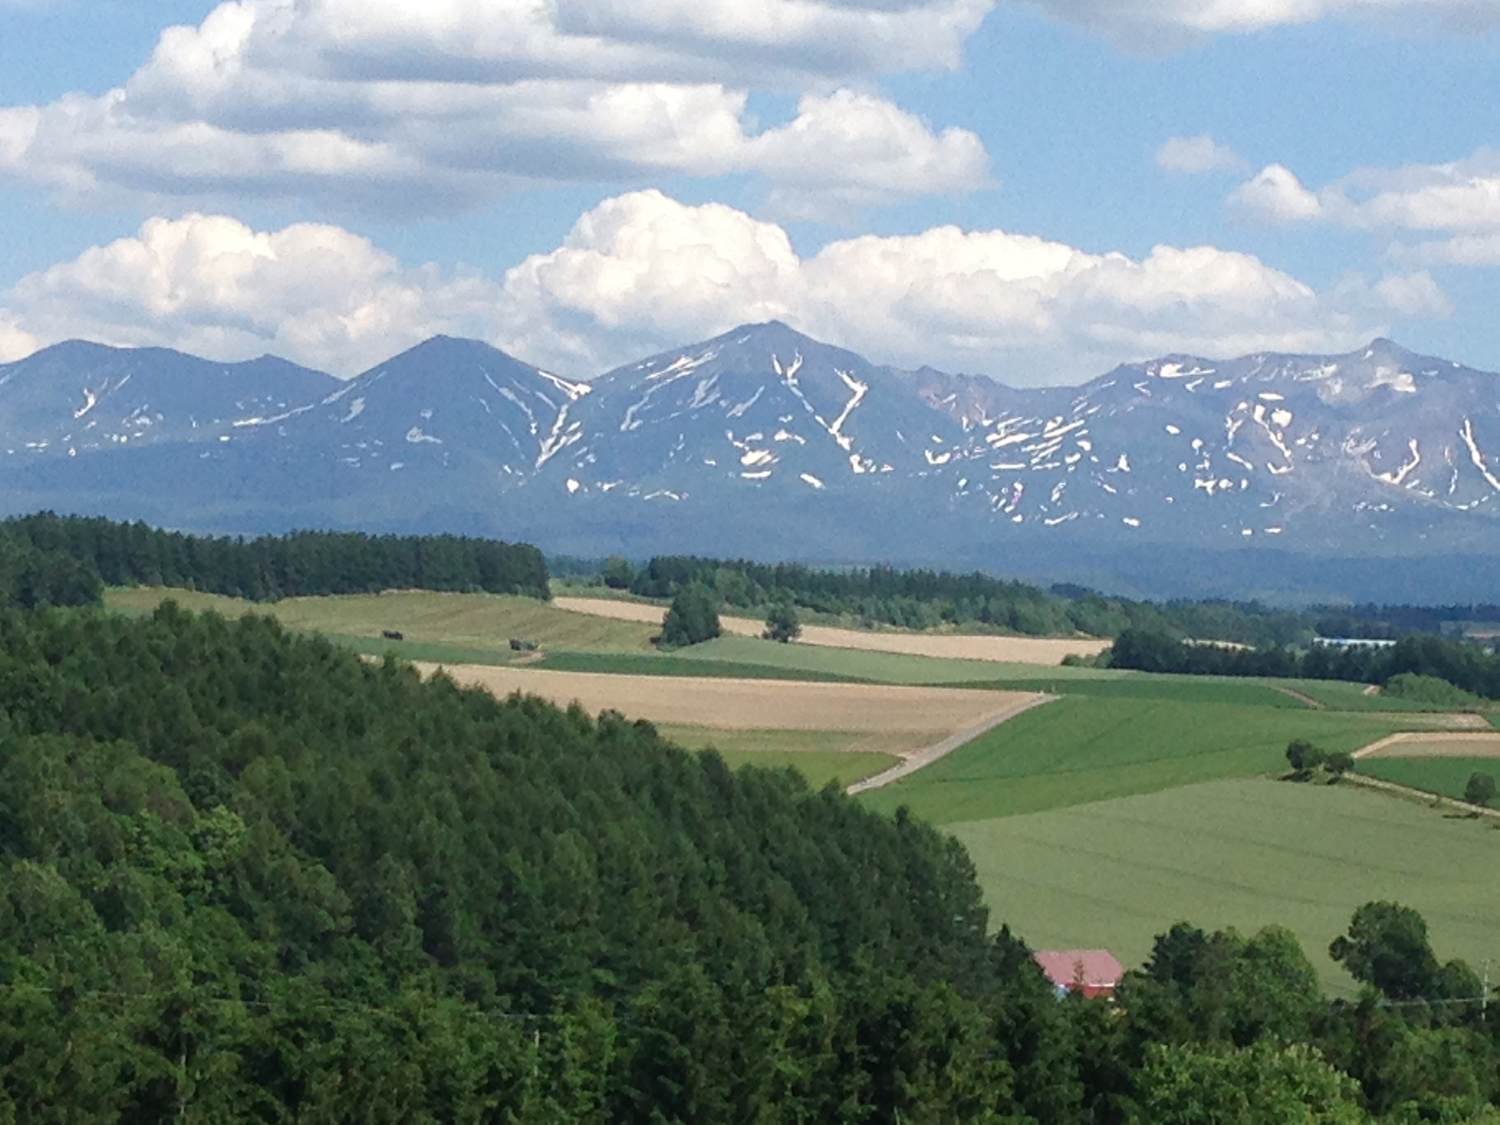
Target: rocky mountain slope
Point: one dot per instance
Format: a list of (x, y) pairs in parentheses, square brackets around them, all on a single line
[(765, 442)]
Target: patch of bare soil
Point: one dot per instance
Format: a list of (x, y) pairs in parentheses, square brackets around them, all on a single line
[(748, 704), (1435, 744)]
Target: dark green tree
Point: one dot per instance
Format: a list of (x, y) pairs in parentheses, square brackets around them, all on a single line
[(1304, 756), (782, 624), (1480, 790), (1340, 763), (692, 619), (617, 572), (1387, 947)]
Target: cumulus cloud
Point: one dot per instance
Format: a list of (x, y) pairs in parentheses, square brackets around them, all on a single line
[(210, 285), (642, 272), (421, 108), (1154, 24), (1460, 200), (1193, 156), (1275, 196)]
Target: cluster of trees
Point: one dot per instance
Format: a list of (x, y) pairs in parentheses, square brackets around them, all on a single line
[(1422, 659), (246, 876), (62, 557), (1307, 759)]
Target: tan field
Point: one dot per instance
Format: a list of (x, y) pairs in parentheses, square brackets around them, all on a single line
[(920, 713), (1426, 744), (950, 646)]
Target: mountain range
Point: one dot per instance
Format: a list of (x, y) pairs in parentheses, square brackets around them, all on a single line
[(1367, 475)]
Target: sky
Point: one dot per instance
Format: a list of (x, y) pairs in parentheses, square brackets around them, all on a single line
[(1035, 190)]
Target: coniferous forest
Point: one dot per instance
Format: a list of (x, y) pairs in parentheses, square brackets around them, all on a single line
[(62, 560), (248, 876)]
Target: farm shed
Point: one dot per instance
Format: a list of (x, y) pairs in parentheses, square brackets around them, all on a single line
[(1094, 972)]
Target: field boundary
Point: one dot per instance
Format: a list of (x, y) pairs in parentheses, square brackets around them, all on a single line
[(1426, 796), (925, 757), (1457, 738), (1301, 697)]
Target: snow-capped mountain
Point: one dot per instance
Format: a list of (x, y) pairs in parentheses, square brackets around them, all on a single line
[(78, 397), (765, 442)]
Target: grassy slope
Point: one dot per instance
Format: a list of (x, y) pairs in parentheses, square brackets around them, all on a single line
[(1351, 697), (1244, 853), (471, 623), (1082, 749), (1447, 776)]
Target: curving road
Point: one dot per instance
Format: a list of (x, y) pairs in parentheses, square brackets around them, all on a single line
[(913, 762)]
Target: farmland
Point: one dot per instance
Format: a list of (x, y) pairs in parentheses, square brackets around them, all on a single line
[(943, 646), (916, 712), (1243, 853), (1089, 748), (1132, 802)]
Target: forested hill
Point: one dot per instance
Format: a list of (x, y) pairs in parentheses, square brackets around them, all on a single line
[(51, 560), (245, 876), (248, 873)]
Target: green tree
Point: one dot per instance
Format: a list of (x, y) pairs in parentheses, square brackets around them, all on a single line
[(1266, 1084), (618, 573), (1480, 790), (693, 618), (1304, 756), (1340, 763), (782, 624), (1386, 946)]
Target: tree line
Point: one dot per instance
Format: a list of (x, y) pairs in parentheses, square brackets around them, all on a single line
[(925, 599), (1460, 664), (245, 875), (64, 560)]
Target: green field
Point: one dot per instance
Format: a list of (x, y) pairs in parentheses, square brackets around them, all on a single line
[(1243, 853), (820, 756), (1084, 748), (473, 624), (1339, 696), (1447, 776)]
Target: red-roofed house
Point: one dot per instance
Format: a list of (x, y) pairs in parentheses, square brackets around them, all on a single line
[(1094, 972)]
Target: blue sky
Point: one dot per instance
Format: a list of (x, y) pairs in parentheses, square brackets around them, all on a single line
[(1035, 191)]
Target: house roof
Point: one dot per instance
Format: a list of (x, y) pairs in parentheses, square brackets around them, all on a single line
[(1093, 968)]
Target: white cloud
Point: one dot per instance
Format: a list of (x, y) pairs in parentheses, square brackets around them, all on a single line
[(14, 343), (1460, 199), (1155, 24), (642, 272), (1273, 197), (1196, 155), (420, 108), (210, 285)]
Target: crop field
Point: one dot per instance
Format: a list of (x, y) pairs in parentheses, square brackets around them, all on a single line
[(817, 767), (1084, 748), (943, 646), (1244, 853), (461, 622), (1339, 696), (920, 713), (820, 756), (1446, 775)]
